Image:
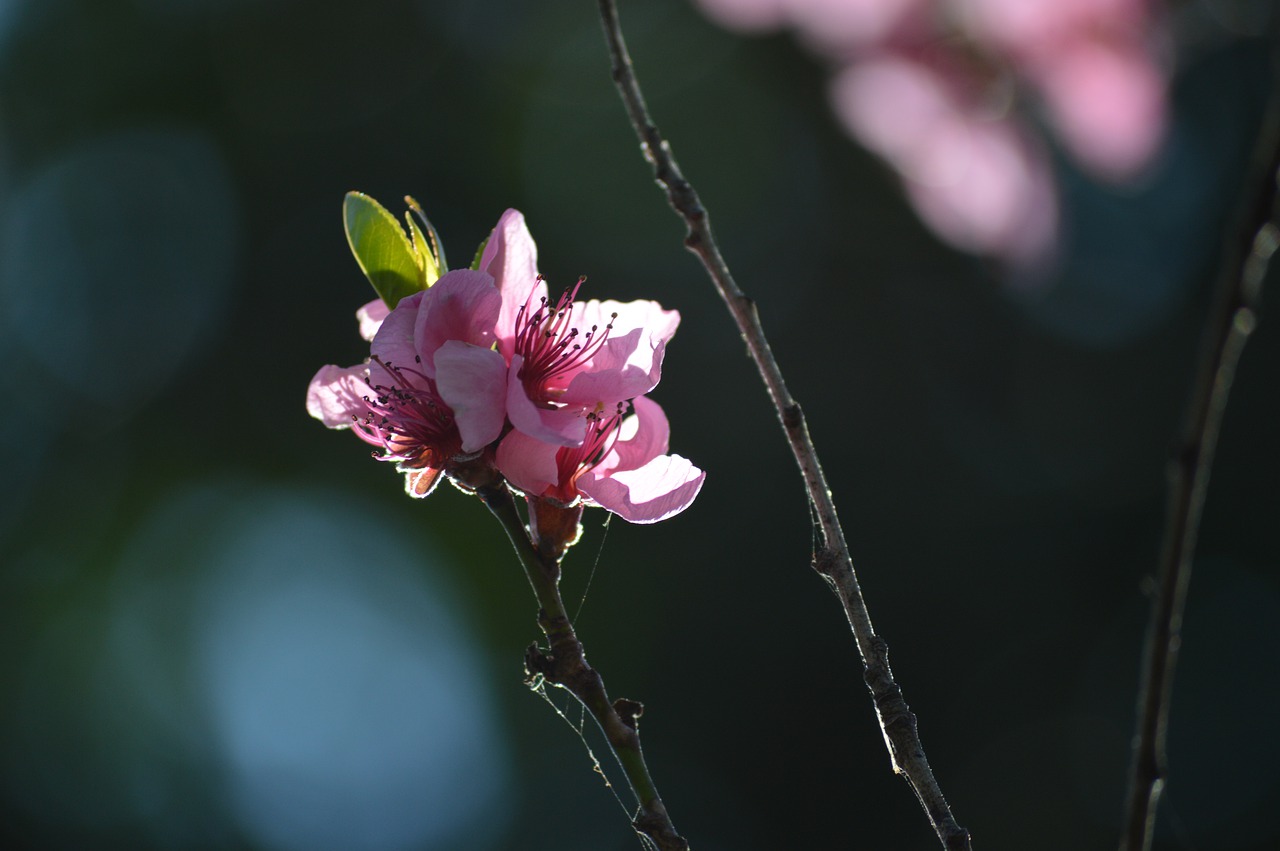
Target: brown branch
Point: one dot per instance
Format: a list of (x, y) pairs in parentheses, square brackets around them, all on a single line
[(832, 559), (1233, 318), (564, 664)]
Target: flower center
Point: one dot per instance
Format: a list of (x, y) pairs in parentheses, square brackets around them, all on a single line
[(551, 347), (573, 461), (408, 419)]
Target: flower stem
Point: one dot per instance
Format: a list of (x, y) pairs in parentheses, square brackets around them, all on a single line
[(565, 665), (1232, 320), (832, 560)]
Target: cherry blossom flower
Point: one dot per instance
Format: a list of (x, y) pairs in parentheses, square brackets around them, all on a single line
[(927, 85), (482, 373), (569, 358), (577, 357), (433, 388), (979, 180), (622, 465)]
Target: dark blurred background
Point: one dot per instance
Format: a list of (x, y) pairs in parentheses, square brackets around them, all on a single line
[(226, 627)]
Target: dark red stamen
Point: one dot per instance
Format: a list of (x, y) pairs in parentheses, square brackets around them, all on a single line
[(573, 461), (407, 419), (551, 347)]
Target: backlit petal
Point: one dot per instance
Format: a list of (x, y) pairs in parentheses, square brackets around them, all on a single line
[(511, 257), (334, 395), (371, 316), (660, 489), (527, 463), (462, 305), (473, 382)]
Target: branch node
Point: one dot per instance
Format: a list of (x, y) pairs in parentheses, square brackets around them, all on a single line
[(629, 711), (538, 665), (792, 416), (824, 562), (653, 827)]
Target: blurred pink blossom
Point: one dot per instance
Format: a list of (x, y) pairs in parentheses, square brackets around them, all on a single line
[(979, 180), (1107, 103), (929, 85)]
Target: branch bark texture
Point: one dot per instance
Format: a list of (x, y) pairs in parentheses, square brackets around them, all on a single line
[(832, 560), (564, 664), (1234, 315)]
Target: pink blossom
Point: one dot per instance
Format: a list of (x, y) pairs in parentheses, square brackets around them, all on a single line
[(482, 354), (433, 388), (1092, 62), (913, 77), (621, 466), (576, 357), (571, 357), (1028, 27), (1108, 104), (973, 174)]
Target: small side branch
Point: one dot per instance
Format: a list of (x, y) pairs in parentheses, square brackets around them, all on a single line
[(565, 664), (832, 560), (1232, 320)]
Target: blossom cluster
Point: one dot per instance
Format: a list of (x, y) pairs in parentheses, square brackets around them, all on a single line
[(484, 368), (928, 85)]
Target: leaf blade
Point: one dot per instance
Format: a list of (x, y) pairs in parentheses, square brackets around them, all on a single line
[(381, 248)]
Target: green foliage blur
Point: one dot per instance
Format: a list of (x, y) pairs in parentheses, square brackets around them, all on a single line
[(227, 627)]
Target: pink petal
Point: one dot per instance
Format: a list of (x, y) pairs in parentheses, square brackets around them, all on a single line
[(660, 489), (473, 382), (658, 323), (511, 257), (893, 104), (625, 367), (1034, 27), (335, 395), (838, 26), (462, 305), (1108, 103), (985, 186), (527, 463), (643, 437), (370, 317), (394, 341), (561, 426)]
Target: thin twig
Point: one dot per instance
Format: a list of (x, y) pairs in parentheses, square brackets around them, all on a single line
[(1232, 320), (832, 559), (565, 665)]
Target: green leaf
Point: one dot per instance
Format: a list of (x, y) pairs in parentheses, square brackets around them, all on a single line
[(475, 263), (380, 246), (437, 250), (426, 259)]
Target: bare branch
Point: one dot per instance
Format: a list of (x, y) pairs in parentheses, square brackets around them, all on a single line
[(832, 559), (1232, 320), (564, 664)]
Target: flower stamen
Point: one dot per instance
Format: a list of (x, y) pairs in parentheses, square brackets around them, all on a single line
[(573, 461), (551, 347), (407, 419)]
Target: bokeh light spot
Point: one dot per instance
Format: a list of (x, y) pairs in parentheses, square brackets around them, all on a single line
[(115, 262)]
